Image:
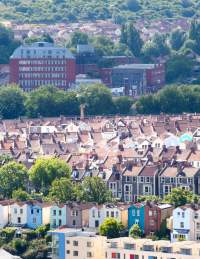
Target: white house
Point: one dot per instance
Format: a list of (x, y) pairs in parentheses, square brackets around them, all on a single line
[(18, 213), (186, 223), (4, 213), (98, 214)]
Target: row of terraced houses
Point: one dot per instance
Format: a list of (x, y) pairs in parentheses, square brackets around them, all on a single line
[(184, 221)]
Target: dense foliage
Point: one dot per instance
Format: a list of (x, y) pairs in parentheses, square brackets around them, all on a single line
[(172, 99), (117, 10), (7, 44), (49, 101), (135, 231), (110, 228), (49, 179), (32, 244)]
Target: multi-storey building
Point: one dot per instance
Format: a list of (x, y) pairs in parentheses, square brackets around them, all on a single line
[(149, 216), (181, 177), (129, 248), (4, 212), (42, 63), (138, 79), (78, 215), (58, 215), (73, 244), (99, 213), (186, 223)]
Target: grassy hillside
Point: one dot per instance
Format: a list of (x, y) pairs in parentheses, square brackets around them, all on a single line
[(118, 10)]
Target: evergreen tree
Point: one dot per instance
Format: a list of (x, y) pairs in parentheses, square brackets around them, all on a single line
[(134, 40)]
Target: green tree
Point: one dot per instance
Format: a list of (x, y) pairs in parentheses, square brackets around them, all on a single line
[(43, 38), (133, 5), (134, 40), (7, 44), (150, 198), (194, 35), (135, 231), (110, 228), (163, 232), (177, 39), (13, 176), (50, 101), (19, 245), (4, 159), (43, 101), (20, 195), (97, 99), (179, 197), (68, 104), (178, 67), (103, 45), (15, 108), (148, 104), (171, 100), (159, 40), (123, 104), (45, 171), (94, 189), (62, 190), (78, 37)]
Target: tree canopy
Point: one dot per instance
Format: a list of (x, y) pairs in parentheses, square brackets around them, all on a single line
[(71, 11), (179, 197), (93, 189), (13, 176), (45, 171), (7, 44), (12, 103), (62, 190), (172, 99), (135, 231), (110, 228)]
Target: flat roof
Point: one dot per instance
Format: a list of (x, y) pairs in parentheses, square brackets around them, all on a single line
[(136, 66)]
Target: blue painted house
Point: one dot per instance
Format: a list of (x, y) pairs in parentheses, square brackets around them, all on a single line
[(34, 214), (58, 215), (136, 215)]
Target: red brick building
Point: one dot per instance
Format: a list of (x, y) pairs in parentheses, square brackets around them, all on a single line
[(155, 214), (138, 79), (42, 63)]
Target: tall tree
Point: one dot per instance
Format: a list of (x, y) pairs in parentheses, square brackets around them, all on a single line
[(123, 104), (133, 5), (7, 44), (177, 39), (94, 190), (78, 37), (62, 190), (134, 40), (178, 66), (13, 176), (97, 99), (45, 171), (179, 197), (12, 102)]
